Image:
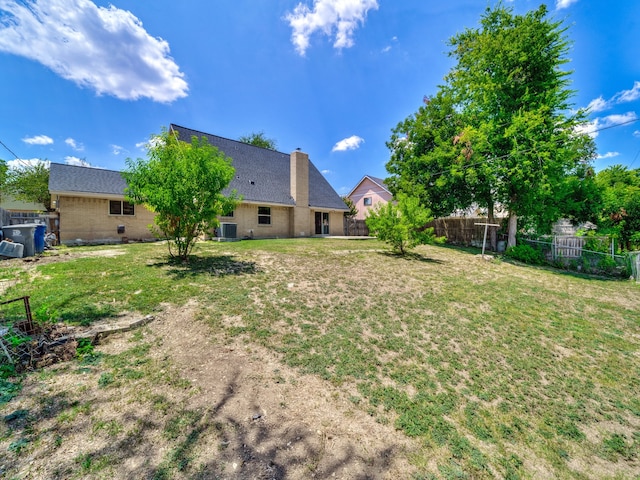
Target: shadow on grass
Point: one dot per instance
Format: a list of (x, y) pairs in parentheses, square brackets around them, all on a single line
[(203, 443), (411, 256), (218, 266)]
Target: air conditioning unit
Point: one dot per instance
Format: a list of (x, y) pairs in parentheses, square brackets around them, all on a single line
[(228, 231)]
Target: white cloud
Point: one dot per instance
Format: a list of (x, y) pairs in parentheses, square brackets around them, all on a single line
[(608, 155), (636, 133), (21, 163), (588, 128), (73, 144), (628, 95), (617, 119), (326, 172), (38, 140), (105, 49), (389, 47), (593, 128), (78, 162), (117, 149), (351, 143), (337, 18), (560, 4), (597, 105), (600, 104)]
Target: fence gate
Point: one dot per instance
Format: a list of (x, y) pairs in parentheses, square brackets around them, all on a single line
[(568, 246)]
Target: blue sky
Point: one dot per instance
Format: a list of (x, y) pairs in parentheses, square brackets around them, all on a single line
[(90, 82)]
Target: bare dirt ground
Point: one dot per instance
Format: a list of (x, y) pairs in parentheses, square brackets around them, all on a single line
[(241, 415)]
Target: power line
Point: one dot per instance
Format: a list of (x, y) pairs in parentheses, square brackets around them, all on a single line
[(9, 150), (25, 164)]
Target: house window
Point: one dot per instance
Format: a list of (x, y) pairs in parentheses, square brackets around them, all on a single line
[(228, 214), (367, 201), (118, 207), (264, 215)]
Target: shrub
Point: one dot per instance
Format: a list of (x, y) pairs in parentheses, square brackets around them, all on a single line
[(526, 254), (402, 224)]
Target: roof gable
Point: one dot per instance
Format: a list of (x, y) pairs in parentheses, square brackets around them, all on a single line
[(377, 181)]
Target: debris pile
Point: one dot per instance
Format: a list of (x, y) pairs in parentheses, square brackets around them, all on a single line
[(43, 346)]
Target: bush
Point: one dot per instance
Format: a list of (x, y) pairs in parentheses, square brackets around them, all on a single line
[(402, 224), (526, 254)]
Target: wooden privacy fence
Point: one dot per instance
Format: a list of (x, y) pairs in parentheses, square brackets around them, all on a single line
[(355, 228), (463, 230)]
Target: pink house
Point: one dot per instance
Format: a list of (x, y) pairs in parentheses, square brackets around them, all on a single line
[(367, 194)]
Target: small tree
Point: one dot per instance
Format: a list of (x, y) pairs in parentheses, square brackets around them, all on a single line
[(182, 182), (351, 214), (402, 224), (259, 140)]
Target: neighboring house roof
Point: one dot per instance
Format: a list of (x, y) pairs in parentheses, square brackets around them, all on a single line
[(263, 175), (8, 202), (72, 179), (376, 180)]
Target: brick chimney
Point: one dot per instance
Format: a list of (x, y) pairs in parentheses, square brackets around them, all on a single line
[(299, 184)]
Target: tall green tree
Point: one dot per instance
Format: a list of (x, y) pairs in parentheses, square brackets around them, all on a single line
[(621, 204), (30, 183), (183, 183), (506, 135), (259, 140)]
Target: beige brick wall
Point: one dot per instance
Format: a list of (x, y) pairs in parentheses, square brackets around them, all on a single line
[(282, 222), (88, 219), (336, 224), (246, 217)]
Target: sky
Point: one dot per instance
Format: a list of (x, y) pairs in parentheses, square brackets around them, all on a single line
[(89, 82)]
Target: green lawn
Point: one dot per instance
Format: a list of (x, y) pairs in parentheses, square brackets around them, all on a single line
[(497, 369)]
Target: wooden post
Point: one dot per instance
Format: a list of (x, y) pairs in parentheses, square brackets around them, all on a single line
[(486, 227)]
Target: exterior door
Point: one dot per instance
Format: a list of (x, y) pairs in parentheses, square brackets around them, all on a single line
[(322, 223)]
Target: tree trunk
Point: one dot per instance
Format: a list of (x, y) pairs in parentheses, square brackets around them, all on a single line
[(493, 231), (513, 227)]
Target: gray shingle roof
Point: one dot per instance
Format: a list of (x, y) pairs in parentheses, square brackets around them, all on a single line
[(71, 178), (262, 175), (269, 171)]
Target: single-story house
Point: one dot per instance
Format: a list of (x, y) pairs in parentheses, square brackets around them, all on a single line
[(367, 193), (92, 208), (282, 196)]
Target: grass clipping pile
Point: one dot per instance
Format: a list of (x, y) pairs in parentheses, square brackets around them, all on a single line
[(169, 401)]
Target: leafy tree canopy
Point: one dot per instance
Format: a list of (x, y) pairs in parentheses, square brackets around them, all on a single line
[(29, 183), (621, 204), (259, 140), (500, 130), (182, 182), (402, 224)]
